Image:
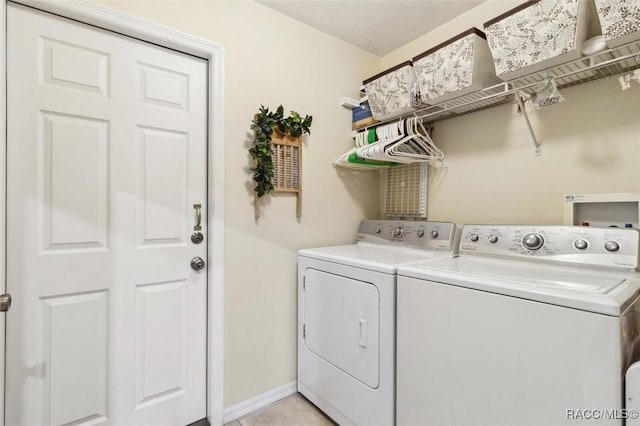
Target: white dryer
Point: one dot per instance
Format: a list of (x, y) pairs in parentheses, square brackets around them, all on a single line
[(347, 315), (529, 326)]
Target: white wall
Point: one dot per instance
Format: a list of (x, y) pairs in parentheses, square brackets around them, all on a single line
[(272, 60), (590, 144)]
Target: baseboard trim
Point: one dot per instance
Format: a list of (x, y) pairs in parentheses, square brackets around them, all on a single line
[(259, 401)]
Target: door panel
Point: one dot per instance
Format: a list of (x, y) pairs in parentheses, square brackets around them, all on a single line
[(162, 311), (164, 174), (77, 354), (75, 193), (106, 159), (164, 87), (70, 65)]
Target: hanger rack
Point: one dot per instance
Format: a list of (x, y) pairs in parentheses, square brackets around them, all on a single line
[(606, 64)]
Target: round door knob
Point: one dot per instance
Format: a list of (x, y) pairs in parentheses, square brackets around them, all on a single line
[(420, 233), (580, 244), (532, 241), (434, 234), (197, 264), (493, 239), (398, 232), (611, 246), (474, 237)]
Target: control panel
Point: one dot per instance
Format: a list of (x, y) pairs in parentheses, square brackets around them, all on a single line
[(420, 234), (610, 247)]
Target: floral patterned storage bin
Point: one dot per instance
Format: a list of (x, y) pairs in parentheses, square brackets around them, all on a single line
[(455, 68), (620, 21), (536, 36), (392, 92)]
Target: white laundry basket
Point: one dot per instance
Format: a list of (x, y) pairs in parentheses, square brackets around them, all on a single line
[(620, 21), (392, 92), (537, 35), (459, 66)]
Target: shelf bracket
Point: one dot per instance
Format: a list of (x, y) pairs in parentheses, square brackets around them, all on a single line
[(536, 144)]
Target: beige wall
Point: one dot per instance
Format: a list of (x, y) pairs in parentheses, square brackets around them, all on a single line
[(475, 17), (271, 59), (590, 144)]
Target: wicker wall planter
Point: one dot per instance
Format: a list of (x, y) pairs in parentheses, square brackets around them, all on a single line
[(277, 154), (287, 161)]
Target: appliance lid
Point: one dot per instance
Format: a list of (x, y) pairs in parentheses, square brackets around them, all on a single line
[(586, 289), (375, 257)]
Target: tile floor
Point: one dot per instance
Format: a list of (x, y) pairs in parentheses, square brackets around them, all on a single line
[(294, 410)]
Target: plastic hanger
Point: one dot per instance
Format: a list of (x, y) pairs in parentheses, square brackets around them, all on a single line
[(351, 160), (415, 146), (387, 135), (404, 141)]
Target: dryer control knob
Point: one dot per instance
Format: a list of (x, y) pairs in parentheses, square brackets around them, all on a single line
[(493, 239), (611, 246), (532, 241), (434, 234), (420, 233), (378, 230), (398, 232), (580, 244), (474, 237)]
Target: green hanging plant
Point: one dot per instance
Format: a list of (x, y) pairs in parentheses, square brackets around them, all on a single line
[(264, 124)]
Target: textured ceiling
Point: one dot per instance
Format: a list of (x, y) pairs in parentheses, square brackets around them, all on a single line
[(377, 26)]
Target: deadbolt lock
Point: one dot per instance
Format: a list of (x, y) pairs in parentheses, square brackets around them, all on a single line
[(197, 263), (197, 237)]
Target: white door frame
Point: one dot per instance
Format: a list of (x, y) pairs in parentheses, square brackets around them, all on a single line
[(103, 17)]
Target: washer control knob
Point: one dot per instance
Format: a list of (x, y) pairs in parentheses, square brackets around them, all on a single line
[(434, 234), (398, 231), (580, 244), (378, 230), (474, 237), (611, 246), (420, 233), (532, 241), (493, 239)]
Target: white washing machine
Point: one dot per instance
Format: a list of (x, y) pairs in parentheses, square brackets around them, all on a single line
[(528, 326), (347, 315)]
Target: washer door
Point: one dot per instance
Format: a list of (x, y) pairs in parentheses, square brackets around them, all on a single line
[(341, 323)]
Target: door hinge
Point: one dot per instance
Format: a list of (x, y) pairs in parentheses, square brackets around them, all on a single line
[(304, 283), (304, 331)]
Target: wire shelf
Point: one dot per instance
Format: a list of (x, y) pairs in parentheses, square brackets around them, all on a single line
[(605, 64), (608, 63)]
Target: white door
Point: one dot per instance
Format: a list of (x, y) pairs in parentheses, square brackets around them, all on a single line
[(106, 160)]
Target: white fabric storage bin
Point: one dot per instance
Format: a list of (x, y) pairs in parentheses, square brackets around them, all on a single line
[(392, 92), (455, 68), (537, 35), (620, 21)]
